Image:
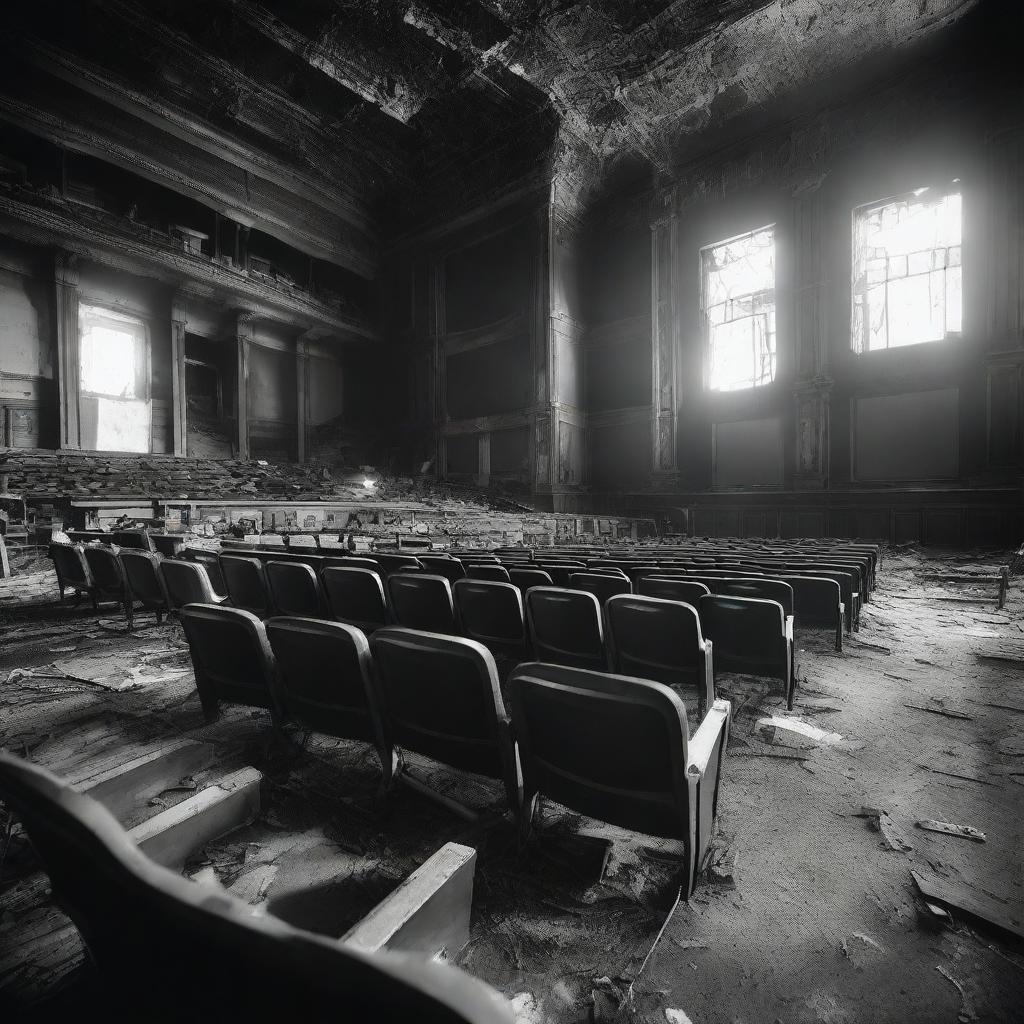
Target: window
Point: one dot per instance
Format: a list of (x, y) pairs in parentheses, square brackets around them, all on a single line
[(906, 270), (738, 300), (114, 381)]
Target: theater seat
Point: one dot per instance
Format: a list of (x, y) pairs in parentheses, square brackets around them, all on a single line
[(422, 601), (566, 627), (751, 637), (356, 596), (673, 589), (142, 570), (187, 583), (210, 560), (601, 585), (296, 590), (169, 949), (390, 563), (325, 674), (618, 749), (817, 601), (442, 699), (231, 658), (246, 582), (482, 571), (72, 569), (450, 568), (526, 578), (108, 579), (491, 613), (661, 640)]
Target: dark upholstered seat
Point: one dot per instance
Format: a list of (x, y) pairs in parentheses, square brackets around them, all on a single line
[(673, 589), (137, 540), (210, 560), (187, 583), (296, 590), (72, 569), (146, 585), (751, 636), (600, 585), (169, 949), (442, 699), (108, 579), (441, 565), (566, 627), (527, 577), (231, 658), (492, 614), (422, 601), (482, 571), (817, 601), (246, 580), (618, 749), (167, 544), (561, 571), (661, 640), (847, 579), (396, 563), (356, 596), (325, 674), (769, 589)]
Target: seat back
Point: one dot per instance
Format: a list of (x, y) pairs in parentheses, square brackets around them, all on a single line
[(486, 571), (138, 540), (355, 562), (186, 582), (769, 589), (144, 924), (396, 563), (296, 590), (166, 544), (441, 697), (565, 627), (450, 568), (600, 585), (142, 570), (106, 570), (526, 578), (673, 588), (748, 633), (356, 596), (560, 572), (655, 639), (325, 673), (608, 746), (210, 561), (816, 599), (72, 568), (422, 601), (490, 612), (231, 657), (246, 582)]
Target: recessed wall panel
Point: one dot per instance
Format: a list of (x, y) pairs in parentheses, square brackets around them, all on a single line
[(747, 452), (910, 436)]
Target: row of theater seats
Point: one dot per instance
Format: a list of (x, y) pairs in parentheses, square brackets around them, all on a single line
[(440, 696)]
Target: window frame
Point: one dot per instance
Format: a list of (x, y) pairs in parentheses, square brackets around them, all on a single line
[(706, 320), (97, 310), (945, 188)]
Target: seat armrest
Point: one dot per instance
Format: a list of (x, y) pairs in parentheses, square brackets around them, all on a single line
[(842, 611), (789, 629), (707, 699), (702, 745)]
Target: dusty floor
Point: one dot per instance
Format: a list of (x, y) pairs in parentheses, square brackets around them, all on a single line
[(810, 915)]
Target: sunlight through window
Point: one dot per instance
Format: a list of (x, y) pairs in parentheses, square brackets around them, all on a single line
[(738, 300), (907, 280)]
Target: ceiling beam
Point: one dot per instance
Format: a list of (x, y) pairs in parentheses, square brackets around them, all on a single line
[(375, 78)]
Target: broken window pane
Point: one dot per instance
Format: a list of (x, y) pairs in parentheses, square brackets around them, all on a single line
[(114, 399), (906, 270), (738, 298)]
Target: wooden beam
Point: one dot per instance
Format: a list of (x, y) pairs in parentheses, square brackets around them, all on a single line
[(190, 128), (127, 787), (428, 913), (45, 223), (388, 87), (169, 838)]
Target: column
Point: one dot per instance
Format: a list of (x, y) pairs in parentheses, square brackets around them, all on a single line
[(663, 349), (243, 334), (179, 398), (65, 280), (302, 403)]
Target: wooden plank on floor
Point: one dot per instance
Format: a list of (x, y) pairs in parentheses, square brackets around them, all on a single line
[(428, 913), (171, 836), (960, 896), (125, 788)]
